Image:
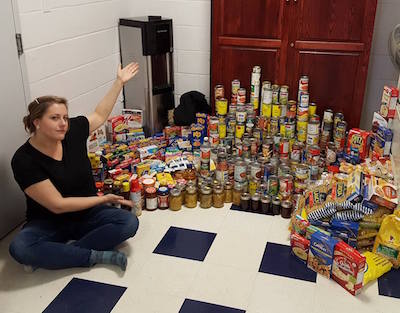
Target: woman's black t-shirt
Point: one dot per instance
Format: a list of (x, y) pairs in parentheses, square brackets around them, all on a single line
[(72, 176)]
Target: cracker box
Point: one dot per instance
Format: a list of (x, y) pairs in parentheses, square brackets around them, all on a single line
[(320, 255), (382, 193), (300, 246), (358, 143), (348, 268), (115, 125)]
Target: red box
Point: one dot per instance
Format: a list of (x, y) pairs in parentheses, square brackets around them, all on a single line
[(300, 246), (358, 141), (348, 268)]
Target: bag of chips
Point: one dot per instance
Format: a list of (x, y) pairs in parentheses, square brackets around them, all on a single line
[(376, 267), (387, 242)]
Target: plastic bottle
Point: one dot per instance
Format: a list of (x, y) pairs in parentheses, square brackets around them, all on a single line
[(125, 192), (136, 197)]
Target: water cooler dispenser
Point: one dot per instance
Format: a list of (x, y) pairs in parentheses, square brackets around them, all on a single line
[(148, 41)]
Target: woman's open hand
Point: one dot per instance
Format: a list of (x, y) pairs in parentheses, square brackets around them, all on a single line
[(111, 198), (126, 73)]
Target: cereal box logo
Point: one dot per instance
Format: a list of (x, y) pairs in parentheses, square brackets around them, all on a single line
[(344, 264), (356, 141), (320, 246), (196, 134)]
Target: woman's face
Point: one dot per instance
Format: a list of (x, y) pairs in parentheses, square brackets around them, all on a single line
[(54, 122)]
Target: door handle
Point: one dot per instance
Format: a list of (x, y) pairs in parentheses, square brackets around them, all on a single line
[(292, 44)]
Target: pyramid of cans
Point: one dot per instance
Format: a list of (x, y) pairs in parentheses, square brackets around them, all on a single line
[(269, 148)]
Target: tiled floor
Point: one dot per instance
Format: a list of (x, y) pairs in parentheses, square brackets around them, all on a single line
[(237, 262)]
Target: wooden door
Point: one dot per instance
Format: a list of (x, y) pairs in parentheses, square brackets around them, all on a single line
[(244, 34), (331, 44)]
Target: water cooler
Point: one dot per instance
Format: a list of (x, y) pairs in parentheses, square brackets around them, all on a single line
[(148, 41)]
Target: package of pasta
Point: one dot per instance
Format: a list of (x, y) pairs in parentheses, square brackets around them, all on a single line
[(338, 188), (376, 267), (387, 242), (316, 197)]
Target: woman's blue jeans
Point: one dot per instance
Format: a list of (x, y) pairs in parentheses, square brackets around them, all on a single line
[(43, 243)]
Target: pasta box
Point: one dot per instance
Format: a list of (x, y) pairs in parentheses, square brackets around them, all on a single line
[(348, 268)]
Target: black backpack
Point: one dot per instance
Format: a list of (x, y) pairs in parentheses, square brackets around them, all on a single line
[(189, 104)]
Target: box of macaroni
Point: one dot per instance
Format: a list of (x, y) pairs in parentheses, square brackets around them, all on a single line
[(348, 268)]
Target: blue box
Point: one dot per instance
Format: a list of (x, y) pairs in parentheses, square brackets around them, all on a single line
[(320, 255)]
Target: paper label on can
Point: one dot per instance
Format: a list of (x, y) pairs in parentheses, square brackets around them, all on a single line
[(240, 173)]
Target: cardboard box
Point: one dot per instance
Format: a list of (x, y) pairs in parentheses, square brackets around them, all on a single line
[(133, 118), (300, 246), (382, 193), (320, 255), (389, 101), (348, 268)]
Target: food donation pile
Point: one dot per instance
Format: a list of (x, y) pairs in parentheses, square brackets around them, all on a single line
[(273, 156)]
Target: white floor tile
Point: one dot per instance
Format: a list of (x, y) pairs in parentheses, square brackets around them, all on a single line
[(237, 249), (166, 275), (223, 285), (273, 293)]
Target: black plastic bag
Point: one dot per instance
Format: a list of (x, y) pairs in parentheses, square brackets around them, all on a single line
[(189, 104)]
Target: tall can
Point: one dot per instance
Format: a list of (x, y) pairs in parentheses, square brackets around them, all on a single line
[(338, 117), (255, 87), (240, 171), (284, 95), (222, 127), (340, 136), (303, 83), (312, 133), (266, 108), (221, 106), (219, 92), (304, 99), (235, 87), (274, 126), (312, 108), (265, 84), (292, 109), (275, 94), (302, 131)]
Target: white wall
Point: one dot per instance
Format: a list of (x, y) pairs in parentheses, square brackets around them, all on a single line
[(71, 49), (381, 71), (191, 27)]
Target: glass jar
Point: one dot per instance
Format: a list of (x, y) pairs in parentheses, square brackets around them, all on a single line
[(175, 199), (205, 197), (228, 192), (276, 206), (151, 198), (286, 209), (236, 193), (163, 198), (255, 202), (218, 196), (190, 175), (266, 205), (191, 196), (108, 185), (245, 201)]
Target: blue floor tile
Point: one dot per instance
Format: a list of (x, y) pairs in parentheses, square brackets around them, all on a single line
[(389, 284), (193, 306), (83, 296), (278, 260), (185, 243)]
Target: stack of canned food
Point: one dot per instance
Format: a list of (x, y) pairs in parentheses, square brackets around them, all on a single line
[(271, 152)]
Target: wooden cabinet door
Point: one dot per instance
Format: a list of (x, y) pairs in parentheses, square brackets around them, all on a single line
[(331, 44), (247, 33)]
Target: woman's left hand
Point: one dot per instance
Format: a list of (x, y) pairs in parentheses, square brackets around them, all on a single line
[(126, 73)]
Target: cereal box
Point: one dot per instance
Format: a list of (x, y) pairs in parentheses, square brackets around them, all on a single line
[(348, 268), (300, 246), (320, 255)]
